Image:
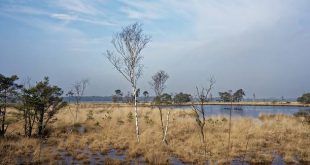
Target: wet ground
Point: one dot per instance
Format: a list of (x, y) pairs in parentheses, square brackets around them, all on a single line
[(86, 156)]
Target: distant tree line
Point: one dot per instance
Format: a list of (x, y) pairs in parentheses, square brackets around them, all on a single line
[(228, 96), (164, 98), (39, 103)]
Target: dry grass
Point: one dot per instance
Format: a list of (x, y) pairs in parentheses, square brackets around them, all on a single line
[(110, 126)]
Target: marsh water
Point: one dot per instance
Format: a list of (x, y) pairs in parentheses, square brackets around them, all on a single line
[(211, 110), (245, 111)]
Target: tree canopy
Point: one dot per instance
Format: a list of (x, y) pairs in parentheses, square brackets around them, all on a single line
[(235, 97), (182, 98), (238, 95), (46, 100), (8, 92), (305, 98)]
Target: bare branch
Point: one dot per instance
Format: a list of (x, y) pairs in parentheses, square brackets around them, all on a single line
[(200, 115), (116, 62), (128, 44), (158, 82)]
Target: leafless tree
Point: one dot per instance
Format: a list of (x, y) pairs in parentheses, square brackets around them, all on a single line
[(229, 129), (77, 92), (158, 84), (200, 114), (254, 97), (128, 58)]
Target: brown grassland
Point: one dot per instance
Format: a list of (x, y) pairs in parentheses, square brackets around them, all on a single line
[(101, 128)]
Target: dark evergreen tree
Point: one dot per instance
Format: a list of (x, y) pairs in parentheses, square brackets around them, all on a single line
[(46, 100), (305, 98), (8, 93), (182, 98), (238, 95)]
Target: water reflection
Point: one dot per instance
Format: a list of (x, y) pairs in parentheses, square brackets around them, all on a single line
[(246, 111)]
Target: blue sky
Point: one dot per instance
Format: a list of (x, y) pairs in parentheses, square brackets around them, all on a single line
[(261, 46)]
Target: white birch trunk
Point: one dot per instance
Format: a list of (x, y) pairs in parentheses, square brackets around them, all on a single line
[(136, 115), (167, 125)]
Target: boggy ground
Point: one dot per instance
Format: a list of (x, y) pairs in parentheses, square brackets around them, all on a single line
[(105, 134)]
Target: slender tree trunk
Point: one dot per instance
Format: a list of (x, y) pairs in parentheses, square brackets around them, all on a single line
[(3, 129), (203, 140), (26, 126), (29, 126), (202, 135), (31, 123), (2, 124), (76, 112), (161, 120), (228, 153), (30, 131), (40, 129), (77, 107), (25, 122), (136, 115), (166, 129), (203, 121)]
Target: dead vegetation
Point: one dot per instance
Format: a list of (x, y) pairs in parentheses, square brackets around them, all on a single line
[(101, 128)]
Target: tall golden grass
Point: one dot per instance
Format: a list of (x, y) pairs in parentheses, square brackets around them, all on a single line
[(112, 126)]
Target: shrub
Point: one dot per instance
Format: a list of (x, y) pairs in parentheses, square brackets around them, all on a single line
[(130, 117), (304, 114), (182, 98), (90, 115), (120, 121), (148, 120), (305, 98)]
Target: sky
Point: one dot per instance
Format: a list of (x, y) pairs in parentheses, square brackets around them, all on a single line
[(261, 46)]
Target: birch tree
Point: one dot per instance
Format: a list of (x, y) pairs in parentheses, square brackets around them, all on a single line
[(127, 58), (202, 95), (158, 84), (77, 92)]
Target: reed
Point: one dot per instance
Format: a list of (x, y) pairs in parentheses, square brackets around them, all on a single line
[(252, 140)]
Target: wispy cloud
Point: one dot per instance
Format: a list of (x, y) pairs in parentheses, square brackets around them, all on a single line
[(143, 10), (139, 15), (71, 18), (77, 6), (64, 17), (198, 36), (71, 10), (211, 16), (21, 9)]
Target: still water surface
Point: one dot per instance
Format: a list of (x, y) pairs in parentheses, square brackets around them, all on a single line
[(246, 111)]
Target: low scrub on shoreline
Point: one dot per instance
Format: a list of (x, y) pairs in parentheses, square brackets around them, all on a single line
[(99, 129)]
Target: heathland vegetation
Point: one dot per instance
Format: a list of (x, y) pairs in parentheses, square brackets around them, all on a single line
[(38, 126), (100, 128)]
